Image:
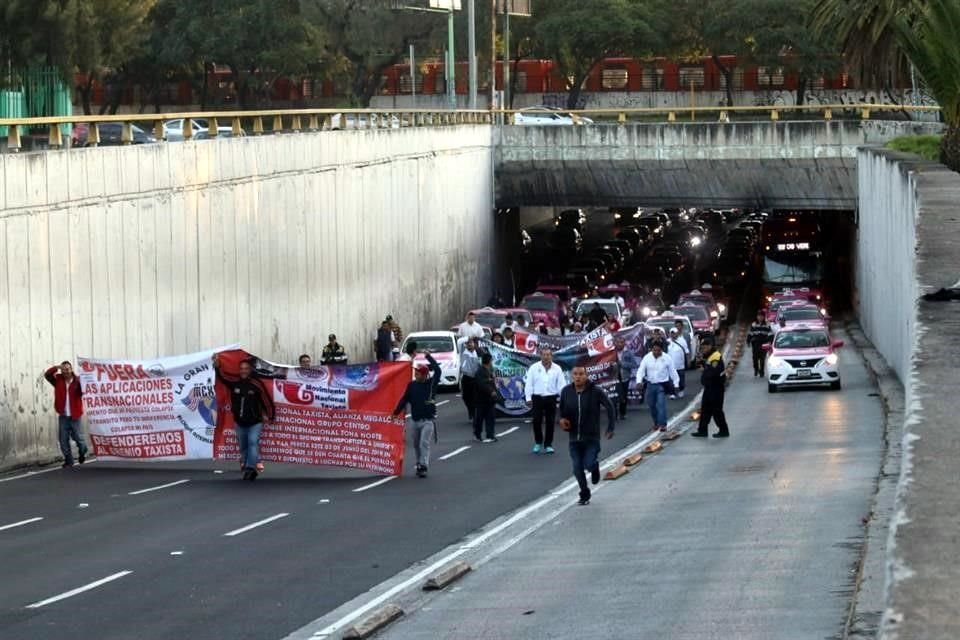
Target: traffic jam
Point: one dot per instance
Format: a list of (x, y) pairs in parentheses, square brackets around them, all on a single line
[(696, 270)]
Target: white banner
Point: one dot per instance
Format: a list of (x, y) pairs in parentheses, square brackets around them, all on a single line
[(161, 409)]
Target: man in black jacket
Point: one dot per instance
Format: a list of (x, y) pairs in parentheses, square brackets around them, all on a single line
[(421, 395), (714, 383), (333, 352), (251, 405), (485, 396), (580, 405), (760, 333)]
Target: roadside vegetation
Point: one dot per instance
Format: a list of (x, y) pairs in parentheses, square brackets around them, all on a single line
[(927, 147)]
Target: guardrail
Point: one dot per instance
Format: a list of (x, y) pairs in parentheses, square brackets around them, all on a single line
[(297, 120)]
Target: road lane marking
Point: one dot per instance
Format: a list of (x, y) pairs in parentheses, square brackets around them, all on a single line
[(453, 453), (30, 474), (374, 484), (21, 523), (507, 432), (78, 590), (157, 488), (442, 402), (254, 525)]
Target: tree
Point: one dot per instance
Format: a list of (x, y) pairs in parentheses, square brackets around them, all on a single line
[(929, 39), (365, 37), (579, 35), (866, 32), (36, 33)]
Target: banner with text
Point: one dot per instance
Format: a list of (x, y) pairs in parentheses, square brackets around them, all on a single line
[(325, 415), (162, 409)]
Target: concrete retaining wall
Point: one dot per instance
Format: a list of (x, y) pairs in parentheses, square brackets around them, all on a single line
[(910, 240), (272, 242)]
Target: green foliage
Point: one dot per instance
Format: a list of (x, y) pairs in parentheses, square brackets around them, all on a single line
[(578, 35), (927, 147)]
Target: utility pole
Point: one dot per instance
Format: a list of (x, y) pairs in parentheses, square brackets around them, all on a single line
[(493, 54), (447, 7), (472, 46), (413, 78), (506, 54)]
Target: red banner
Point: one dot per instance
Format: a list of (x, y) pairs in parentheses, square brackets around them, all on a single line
[(325, 415)]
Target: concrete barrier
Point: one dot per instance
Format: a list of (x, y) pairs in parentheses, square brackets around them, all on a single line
[(272, 242), (908, 246)]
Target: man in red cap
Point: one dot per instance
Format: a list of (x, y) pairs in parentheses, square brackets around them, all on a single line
[(421, 396)]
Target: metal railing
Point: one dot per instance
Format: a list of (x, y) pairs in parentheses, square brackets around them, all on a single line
[(298, 120)]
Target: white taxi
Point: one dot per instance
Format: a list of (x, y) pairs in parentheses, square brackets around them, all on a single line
[(803, 355), (443, 348)]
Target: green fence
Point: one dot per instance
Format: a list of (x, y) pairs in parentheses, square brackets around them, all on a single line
[(39, 93)]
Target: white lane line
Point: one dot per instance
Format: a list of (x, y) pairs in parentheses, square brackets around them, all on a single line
[(254, 525), (21, 523), (73, 592), (30, 474), (442, 402), (157, 488), (374, 484), (507, 432), (453, 453)]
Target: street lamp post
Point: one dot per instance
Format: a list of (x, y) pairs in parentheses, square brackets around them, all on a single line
[(447, 7)]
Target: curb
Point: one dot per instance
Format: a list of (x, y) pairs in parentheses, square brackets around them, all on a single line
[(374, 623), (447, 576)]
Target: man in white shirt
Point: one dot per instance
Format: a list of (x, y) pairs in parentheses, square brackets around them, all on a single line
[(542, 385), (469, 364), (508, 323), (655, 373), (470, 328), (678, 351)]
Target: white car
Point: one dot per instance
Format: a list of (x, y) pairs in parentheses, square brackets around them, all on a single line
[(339, 121), (803, 355), (173, 129), (443, 348), (547, 116), (610, 305)]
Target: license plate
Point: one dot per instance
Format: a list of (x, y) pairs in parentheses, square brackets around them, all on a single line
[(804, 373)]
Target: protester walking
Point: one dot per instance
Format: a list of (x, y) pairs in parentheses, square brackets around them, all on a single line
[(68, 403), (760, 333), (409, 352), (486, 396), (251, 405), (469, 366), (714, 382), (383, 345), (421, 396), (333, 352), (627, 365), (678, 351), (470, 328), (658, 377), (580, 406), (542, 385)]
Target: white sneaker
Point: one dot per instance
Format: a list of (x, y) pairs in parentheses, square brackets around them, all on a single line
[(673, 397)]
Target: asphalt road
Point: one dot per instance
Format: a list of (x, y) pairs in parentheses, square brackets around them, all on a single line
[(334, 535), (757, 536)]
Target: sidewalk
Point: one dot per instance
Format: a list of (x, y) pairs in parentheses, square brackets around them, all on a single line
[(753, 537)]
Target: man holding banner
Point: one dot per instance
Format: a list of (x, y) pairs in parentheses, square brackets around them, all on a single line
[(251, 405), (421, 396)]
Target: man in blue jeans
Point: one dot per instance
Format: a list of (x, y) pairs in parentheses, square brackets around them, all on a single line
[(68, 403), (657, 376), (580, 405), (251, 405)]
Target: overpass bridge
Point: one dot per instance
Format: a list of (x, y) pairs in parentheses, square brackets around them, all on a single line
[(274, 240)]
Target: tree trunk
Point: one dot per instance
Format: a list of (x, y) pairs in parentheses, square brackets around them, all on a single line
[(802, 82), (950, 147), (728, 75), (86, 90)]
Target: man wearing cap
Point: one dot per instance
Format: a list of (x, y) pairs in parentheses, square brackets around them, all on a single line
[(678, 350), (421, 396), (333, 352)]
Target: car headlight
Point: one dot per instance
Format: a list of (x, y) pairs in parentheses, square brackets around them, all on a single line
[(714, 314), (769, 298), (695, 242), (823, 312), (832, 359), (774, 361), (647, 312), (722, 307)]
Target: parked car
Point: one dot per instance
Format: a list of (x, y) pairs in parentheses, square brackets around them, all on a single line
[(802, 356), (173, 129), (443, 348), (573, 218), (547, 116), (111, 134)]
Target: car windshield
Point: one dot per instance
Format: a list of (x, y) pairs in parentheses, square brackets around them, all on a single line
[(801, 340), (695, 313), (538, 303), (491, 318), (668, 323), (697, 299), (792, 269), (801, 314), (437, 344), (610, 307)]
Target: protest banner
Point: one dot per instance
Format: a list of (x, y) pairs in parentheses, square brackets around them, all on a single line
[(163, 409), (325, 415)]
